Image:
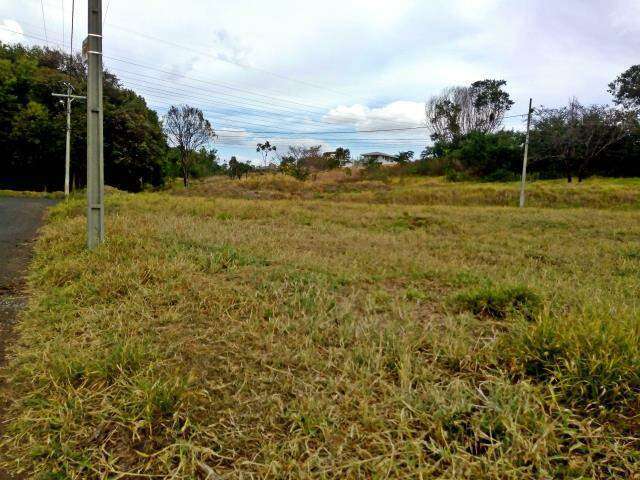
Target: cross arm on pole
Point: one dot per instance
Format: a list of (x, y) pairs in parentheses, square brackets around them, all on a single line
[(64, 95)]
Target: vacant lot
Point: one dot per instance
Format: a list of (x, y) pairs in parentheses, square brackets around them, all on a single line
[(239, 338)]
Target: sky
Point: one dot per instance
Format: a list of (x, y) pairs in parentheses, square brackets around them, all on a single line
[(342, 73)]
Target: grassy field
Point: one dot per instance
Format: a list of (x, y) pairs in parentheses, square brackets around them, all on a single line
[(385, 188), (325, 338)]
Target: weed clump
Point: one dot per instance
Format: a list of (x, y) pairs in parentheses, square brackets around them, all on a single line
[(593, 362), (499, 303)]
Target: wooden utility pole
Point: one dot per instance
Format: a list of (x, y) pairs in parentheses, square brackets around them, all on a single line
[(95, 149), (526, 156), (67, 164)]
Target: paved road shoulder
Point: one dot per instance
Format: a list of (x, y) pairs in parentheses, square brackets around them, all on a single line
[(20, 219)]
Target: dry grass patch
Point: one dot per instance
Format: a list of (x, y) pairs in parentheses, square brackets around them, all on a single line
[(384, 188), (232, 338)]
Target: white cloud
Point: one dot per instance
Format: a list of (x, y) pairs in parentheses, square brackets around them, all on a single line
[(626, 17), (8, 29), (394, 115)]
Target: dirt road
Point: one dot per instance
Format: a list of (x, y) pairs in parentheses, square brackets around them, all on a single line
[(20, 219)]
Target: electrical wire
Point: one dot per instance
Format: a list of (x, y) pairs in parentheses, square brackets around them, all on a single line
[(106, 12), (153, 91), (44, 22), (238, 64), (73, 14), (63, 23)]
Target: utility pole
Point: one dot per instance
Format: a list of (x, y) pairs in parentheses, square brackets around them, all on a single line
[(67, 164), (526, 155), (95, 149)]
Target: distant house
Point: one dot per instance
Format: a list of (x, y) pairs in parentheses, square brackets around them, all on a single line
[(378, 157)]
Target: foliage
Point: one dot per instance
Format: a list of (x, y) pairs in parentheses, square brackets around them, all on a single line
[(204, 163), (488, 156), (575, 140), (342, 157), (187, 130), (237, 169), (458, 111), (626, 88), (404, 157), (301, 161), (33, 123), (290, 166), (265, 149), (576, 136)]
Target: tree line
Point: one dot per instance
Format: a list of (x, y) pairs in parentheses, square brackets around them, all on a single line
[(572, 141), (32, 125)]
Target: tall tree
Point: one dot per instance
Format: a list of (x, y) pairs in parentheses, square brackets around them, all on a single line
[(188, 130), (342, 156), (265, 149), (458, 111), (238, 169), (626, 88)]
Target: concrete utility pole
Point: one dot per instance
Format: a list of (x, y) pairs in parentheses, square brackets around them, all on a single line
[(95, 149), (526, 156), (67, 164)]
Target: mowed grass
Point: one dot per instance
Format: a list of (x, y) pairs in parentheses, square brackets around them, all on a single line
[(387, 187), (234, 338)]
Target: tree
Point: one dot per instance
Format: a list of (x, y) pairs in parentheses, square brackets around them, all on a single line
[(188, 130), (626, 88), (238, 169), (577, 135), (490, 156), (458, 111), (342, 156), (404, 157), (204, 163), (265, 149), (32, 125), (307, 157)]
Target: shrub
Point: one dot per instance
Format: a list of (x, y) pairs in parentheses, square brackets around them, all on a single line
[(499, 303)]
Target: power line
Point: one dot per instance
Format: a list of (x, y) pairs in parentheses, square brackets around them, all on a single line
[(222, 85), (44, 22), (238, 64), (320, 108), (230, 95), (153, 91), (63, 25), (73, 14), (104, 20), (178, 92)]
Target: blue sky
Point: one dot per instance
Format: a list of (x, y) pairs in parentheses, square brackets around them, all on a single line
[(329, 72)]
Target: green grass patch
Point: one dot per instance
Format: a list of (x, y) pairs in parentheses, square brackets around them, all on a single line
[(499, 302)]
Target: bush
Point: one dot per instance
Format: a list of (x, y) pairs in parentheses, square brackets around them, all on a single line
[(485, 154), (499, 303), (502, 175), (295, 169)]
